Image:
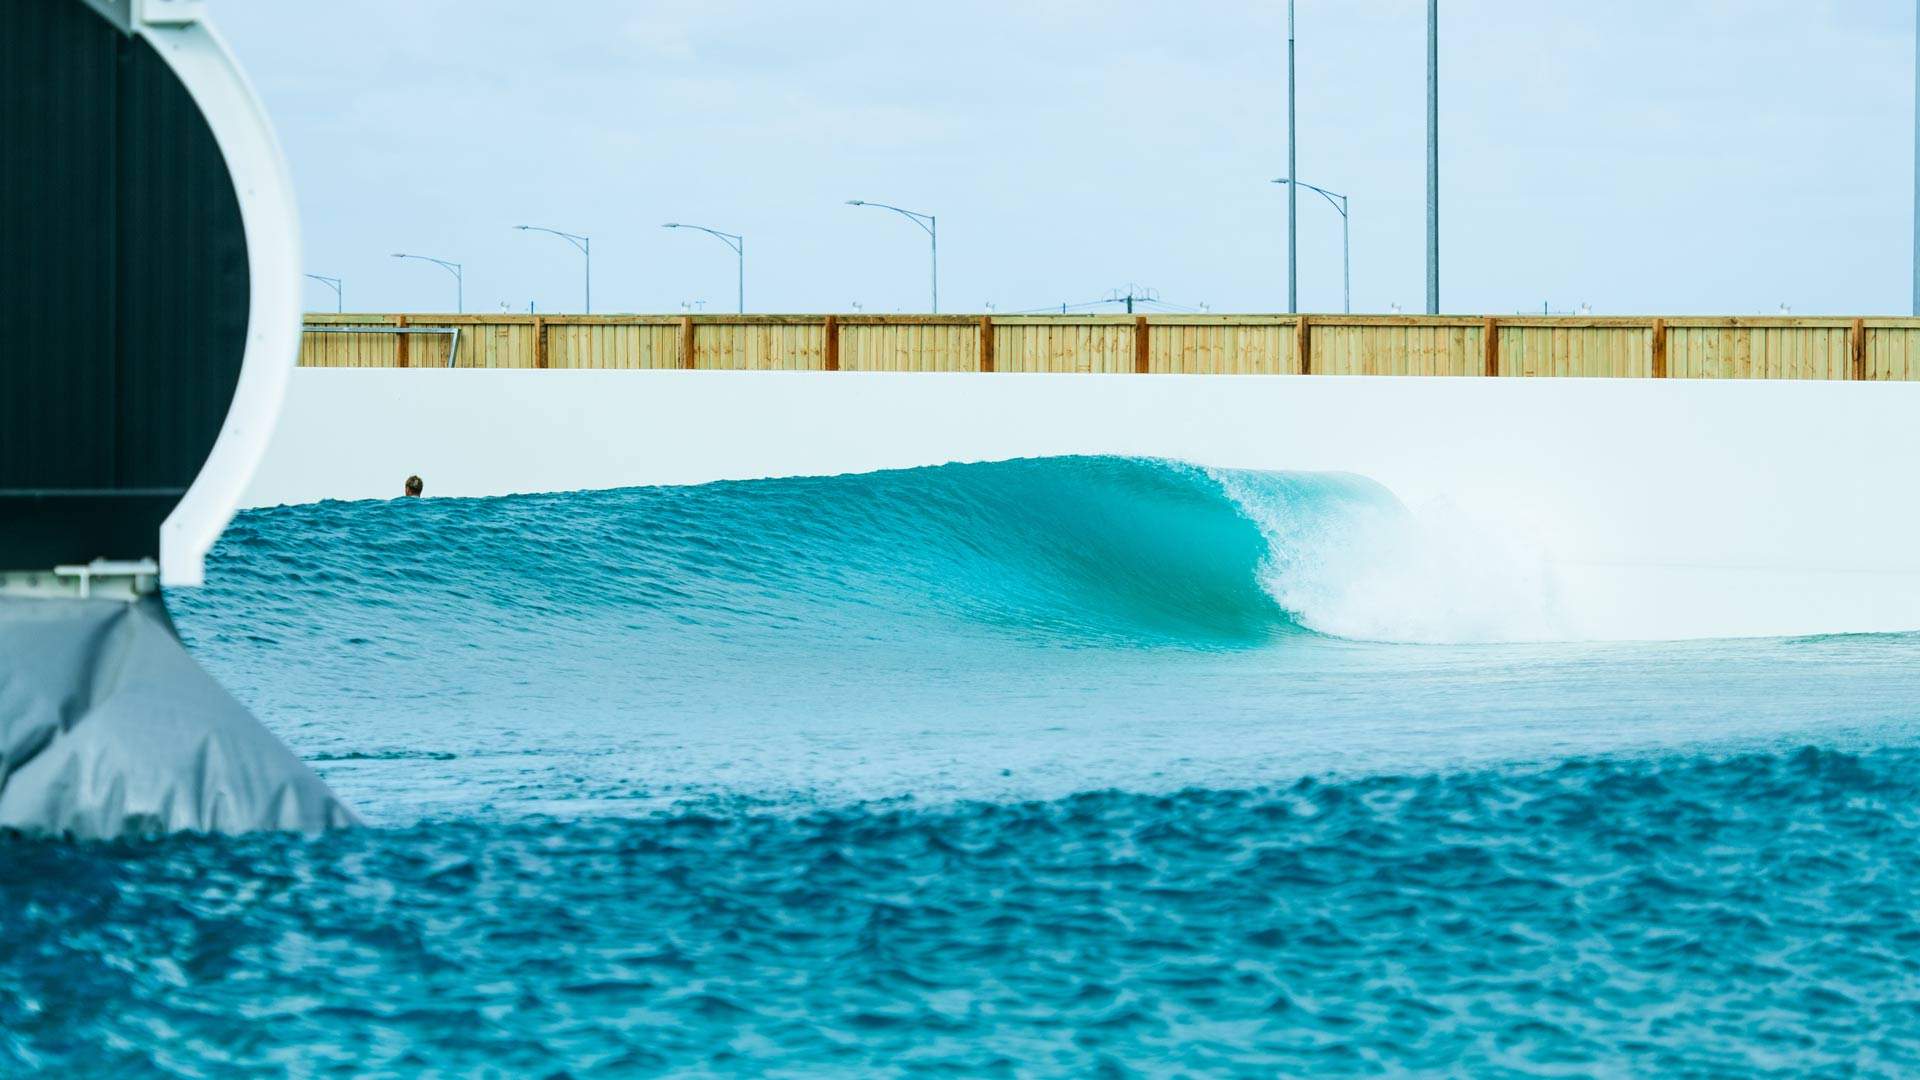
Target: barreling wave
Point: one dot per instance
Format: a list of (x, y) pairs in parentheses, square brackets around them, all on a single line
[(1067, 550)]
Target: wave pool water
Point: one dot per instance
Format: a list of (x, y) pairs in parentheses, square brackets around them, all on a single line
[(1064, 767)]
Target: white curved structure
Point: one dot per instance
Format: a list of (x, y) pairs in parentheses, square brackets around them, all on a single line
[(144, 418), (206, 67)]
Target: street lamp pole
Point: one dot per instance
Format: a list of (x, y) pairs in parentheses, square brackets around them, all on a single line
[(932, 227), (1293, 202), (739, 245), (459, 284), (1339, 202), (586, 249), (334, 284), (1433, 157)]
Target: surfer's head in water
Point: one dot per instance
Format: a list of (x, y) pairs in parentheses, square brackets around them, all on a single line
[(414, 487)]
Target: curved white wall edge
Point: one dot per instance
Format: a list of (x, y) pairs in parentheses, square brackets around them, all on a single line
[(206, 67)]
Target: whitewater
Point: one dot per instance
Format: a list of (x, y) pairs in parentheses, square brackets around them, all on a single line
[(1049, 766)]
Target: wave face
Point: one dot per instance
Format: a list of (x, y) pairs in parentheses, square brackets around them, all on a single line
[(1063, 550), (1067, 551), (1072, 767), (1020, 629)]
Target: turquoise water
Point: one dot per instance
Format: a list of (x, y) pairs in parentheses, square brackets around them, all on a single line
[(1056, 767)]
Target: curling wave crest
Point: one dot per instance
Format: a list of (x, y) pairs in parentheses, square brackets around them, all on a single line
[(1070, 551)]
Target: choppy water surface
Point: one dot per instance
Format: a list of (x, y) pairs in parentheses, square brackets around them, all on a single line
[(1062, 767)]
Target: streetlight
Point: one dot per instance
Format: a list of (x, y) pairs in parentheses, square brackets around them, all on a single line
[(925, 221), (1346, 249), (586, 248), (459, 285), (1433, 157), (1293, 201), (739, 245), (334, 284)]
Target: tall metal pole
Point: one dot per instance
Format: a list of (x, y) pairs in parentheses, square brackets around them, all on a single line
[(1916, 163), (1346, 263), (1433, 157), (1293, 189)]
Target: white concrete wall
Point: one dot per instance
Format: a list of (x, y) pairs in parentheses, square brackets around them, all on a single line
[(1664, 508)]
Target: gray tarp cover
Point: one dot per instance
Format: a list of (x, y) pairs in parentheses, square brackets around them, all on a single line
[(109, 727)]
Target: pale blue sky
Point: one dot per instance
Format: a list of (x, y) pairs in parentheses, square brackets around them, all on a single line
[(1685, 156)]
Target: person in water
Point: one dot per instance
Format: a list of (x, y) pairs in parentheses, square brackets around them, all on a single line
[(414, 487)]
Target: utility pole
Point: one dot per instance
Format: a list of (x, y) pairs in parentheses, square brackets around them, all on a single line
[(1128, 296), (1293, 199), (1433, 157)]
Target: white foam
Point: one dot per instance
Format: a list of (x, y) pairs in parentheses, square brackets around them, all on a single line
[(1354, 562)]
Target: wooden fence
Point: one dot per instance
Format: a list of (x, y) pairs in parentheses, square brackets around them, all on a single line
[(1693, 347)]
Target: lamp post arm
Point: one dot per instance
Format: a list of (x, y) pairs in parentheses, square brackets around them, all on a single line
[(732, 240), (459, 279), (580, 242), (1338, 200), (334, 283), (925, 221), (450, 267)]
